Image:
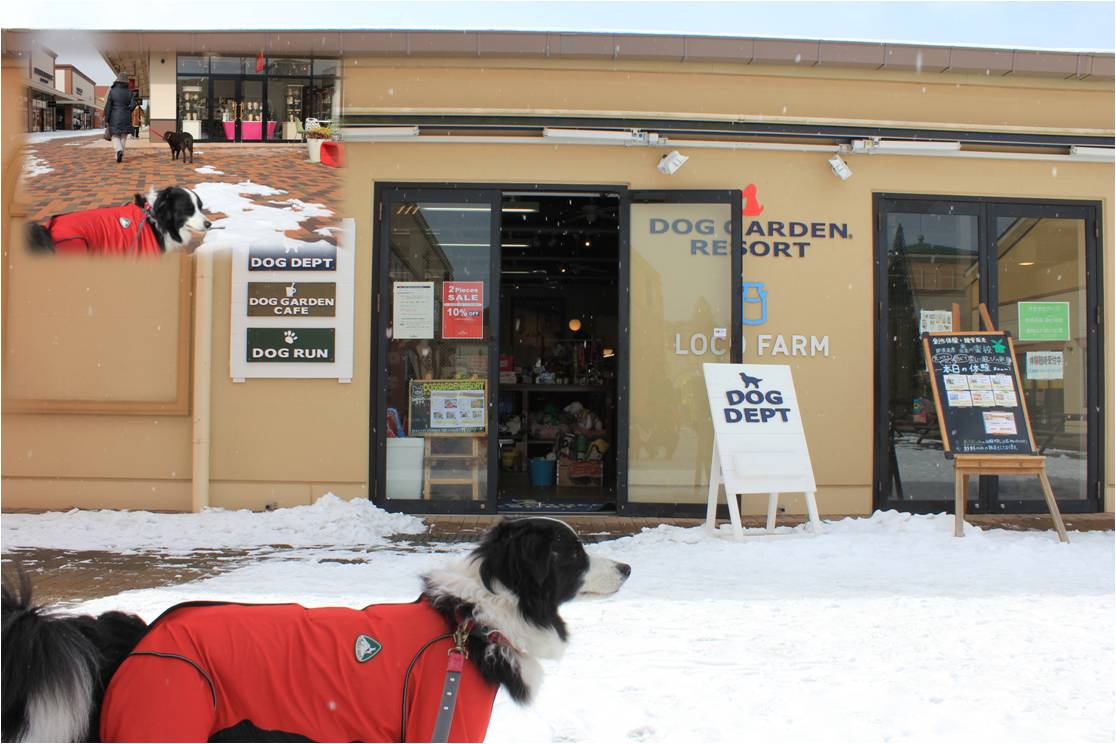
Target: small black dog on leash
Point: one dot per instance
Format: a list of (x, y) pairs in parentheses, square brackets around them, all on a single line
[(180, 143)]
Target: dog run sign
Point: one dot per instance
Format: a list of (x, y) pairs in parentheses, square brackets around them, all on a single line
[(759, 443)]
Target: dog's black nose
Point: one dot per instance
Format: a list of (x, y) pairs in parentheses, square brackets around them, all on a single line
[(208, 224), (624, 568)]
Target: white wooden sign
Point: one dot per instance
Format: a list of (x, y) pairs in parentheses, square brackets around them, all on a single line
[(308, 345), (759, 443)]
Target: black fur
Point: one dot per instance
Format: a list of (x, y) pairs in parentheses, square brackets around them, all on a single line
[(180, 143), (47, 653), (543, 563)]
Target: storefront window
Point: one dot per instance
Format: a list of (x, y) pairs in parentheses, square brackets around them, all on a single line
[(284, 102), (932, 264), (289, 67), (681, 293), (192, 65), (1040, 275), (326, 68), (193, 105), (436, 389), (228, 65)]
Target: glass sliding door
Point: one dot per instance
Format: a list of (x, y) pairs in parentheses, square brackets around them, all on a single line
[(1042, 297), (929, 262), (225, 111), (1036, 267), (437, 350), (683, 311)]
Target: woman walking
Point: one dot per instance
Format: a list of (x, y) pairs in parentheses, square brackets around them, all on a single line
[(118, 113)]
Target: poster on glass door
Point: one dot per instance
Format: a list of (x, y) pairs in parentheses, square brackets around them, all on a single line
[(462, 310)]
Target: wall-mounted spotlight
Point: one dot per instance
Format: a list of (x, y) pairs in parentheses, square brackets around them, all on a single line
[(671, 162), (840, 168)]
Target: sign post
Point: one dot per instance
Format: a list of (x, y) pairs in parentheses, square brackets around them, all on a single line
[(982, 414), (759, 444)]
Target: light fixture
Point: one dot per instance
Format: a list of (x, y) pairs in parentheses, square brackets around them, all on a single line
[(1094, 154), (592, 135), (840, 168), (513, 245), (915, 146), (575, 325), (607, 353), (587, 244), (671, 162), (389, 132), (1026, 263)]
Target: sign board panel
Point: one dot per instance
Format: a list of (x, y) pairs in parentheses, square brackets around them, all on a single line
[(758, 429), (317, 257), (295, 345), (447, 407), (292, 299), (462, 310), (1045, 365), (412, 310), (1044, 321), (270, 296), (934, 321), (977, 393)]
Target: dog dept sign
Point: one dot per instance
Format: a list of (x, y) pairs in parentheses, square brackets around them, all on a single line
[(292, 310), (759, 443)]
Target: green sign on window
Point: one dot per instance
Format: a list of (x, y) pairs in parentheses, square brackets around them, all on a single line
[(1044, 321)]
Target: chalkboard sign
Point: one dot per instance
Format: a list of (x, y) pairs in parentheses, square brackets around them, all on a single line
[(978, 394), (447, 408)]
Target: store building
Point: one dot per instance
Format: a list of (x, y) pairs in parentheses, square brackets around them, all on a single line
[(523, 272), (82, 90)]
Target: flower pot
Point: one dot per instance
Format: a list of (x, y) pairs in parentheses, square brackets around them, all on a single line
[(314, 147)]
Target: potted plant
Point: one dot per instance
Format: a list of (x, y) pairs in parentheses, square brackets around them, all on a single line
[(315, 136)]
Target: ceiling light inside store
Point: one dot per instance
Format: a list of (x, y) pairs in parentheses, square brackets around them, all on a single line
[(575, 325), (1026, 263), (840, 168)]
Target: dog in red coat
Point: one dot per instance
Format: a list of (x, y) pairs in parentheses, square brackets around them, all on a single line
[(164, 221), (229, 672)]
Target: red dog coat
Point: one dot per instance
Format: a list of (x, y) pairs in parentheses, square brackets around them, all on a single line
[(111, 231), (328, 674)]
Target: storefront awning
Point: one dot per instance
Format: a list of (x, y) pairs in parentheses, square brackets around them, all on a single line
[(59, 96)]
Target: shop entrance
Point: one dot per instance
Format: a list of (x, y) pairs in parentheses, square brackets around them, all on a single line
[(499, 338), (559, 332), (238, 111)]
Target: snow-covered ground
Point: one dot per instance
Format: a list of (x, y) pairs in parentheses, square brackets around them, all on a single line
[(881, 629), (33, 165), (35, 138)]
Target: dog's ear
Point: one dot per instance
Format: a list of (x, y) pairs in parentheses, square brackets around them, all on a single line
[(138, 200), (537, 556), (165, 216)]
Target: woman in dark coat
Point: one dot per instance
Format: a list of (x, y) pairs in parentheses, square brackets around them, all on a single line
[(118, 113)]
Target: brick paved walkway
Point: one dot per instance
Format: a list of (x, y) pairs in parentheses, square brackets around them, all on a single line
[(86, 176)]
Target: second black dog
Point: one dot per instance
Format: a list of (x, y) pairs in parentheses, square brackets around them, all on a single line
[(181, 143)]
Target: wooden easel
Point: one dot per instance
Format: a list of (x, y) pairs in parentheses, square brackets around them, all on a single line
[(471, 460), (965, 466)]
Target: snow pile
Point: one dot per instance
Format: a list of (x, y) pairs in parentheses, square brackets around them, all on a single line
[(329, 521), (36, 138), (209, 170), (33, 165), (249, 223)]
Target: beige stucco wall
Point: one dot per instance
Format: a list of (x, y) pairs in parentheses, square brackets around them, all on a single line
[(162, 68), (290, 441)]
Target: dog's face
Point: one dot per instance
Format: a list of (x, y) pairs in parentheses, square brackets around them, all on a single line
[(178, 211), (544, 563)]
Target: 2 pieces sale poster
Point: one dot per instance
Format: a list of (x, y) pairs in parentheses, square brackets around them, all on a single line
[(462, 310)]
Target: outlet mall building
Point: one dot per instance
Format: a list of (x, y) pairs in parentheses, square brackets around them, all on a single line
[(519, 272)]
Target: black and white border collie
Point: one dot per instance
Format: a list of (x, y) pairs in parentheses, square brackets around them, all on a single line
[(56, 667), (163, 221)]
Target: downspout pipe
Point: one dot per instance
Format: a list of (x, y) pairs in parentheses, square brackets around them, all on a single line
[(203, 367)]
